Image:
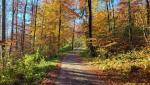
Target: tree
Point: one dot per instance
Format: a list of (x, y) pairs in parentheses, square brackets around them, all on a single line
[(35, 23), (12, 24), (16, 21), (114, 20), (108, 15), (24, 27), (146, 33), (148, 11), (3, 30), (130, 23), (60, 22), (92, 49), (73, 34)]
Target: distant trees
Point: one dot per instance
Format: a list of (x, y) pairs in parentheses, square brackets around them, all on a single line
[(124, 21), (35, 25)]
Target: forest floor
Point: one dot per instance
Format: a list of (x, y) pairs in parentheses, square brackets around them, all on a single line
[(74, 69), (75, 72)]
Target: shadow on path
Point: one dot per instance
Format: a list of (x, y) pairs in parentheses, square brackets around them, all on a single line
[(73, 72)]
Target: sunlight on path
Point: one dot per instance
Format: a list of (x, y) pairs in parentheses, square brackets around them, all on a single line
[(73, 72)]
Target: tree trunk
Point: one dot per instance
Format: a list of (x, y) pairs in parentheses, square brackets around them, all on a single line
[(35, 22), (60, 22), (148, 12), (73, 34), (42, 28), (12, 25), (92, 49), (114, 20), (108, 16), (130, 23), (3, 31), (24, 28), (17, 24), (145, 30)]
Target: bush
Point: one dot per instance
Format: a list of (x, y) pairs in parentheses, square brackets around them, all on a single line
[(31, 68), (124, 62), (67, 47)]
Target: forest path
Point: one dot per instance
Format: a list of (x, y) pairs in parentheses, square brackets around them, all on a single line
[(75, 72)]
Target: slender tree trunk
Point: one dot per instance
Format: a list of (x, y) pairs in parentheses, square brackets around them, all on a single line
[(12, 25), (130, 23), (73, 34), (145, 30), (114, 20), (108, 16), (35, 23), (92, 49), (3, 31), (17, 24), (24, 28), (60, 22), (148, 12), (42, 29)]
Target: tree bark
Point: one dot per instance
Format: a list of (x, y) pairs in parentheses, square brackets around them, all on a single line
[(130, 23), (108, 16), (145, 30), (114, 20), (60, 22), (73, 34), (3, 31), (12, 25), (148, 12), (17, 24), (35, 23), (92, 49), (24, 28)]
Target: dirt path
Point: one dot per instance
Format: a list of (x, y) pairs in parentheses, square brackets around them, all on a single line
[(73, 72)]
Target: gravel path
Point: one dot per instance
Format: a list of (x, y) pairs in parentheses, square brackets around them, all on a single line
[(73, 72)]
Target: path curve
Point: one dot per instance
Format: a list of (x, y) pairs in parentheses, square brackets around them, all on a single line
[(74, 72)]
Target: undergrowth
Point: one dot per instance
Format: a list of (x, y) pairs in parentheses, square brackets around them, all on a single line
[(134, 61), (66, 48), (28, 70)]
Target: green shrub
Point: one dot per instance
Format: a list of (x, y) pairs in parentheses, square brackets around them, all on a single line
[(31, 68), (67, 47)]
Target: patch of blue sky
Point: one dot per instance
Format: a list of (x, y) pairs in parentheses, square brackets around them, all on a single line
[(102, 4)]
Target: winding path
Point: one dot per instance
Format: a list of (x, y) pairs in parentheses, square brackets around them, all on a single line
[(75, 72)]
